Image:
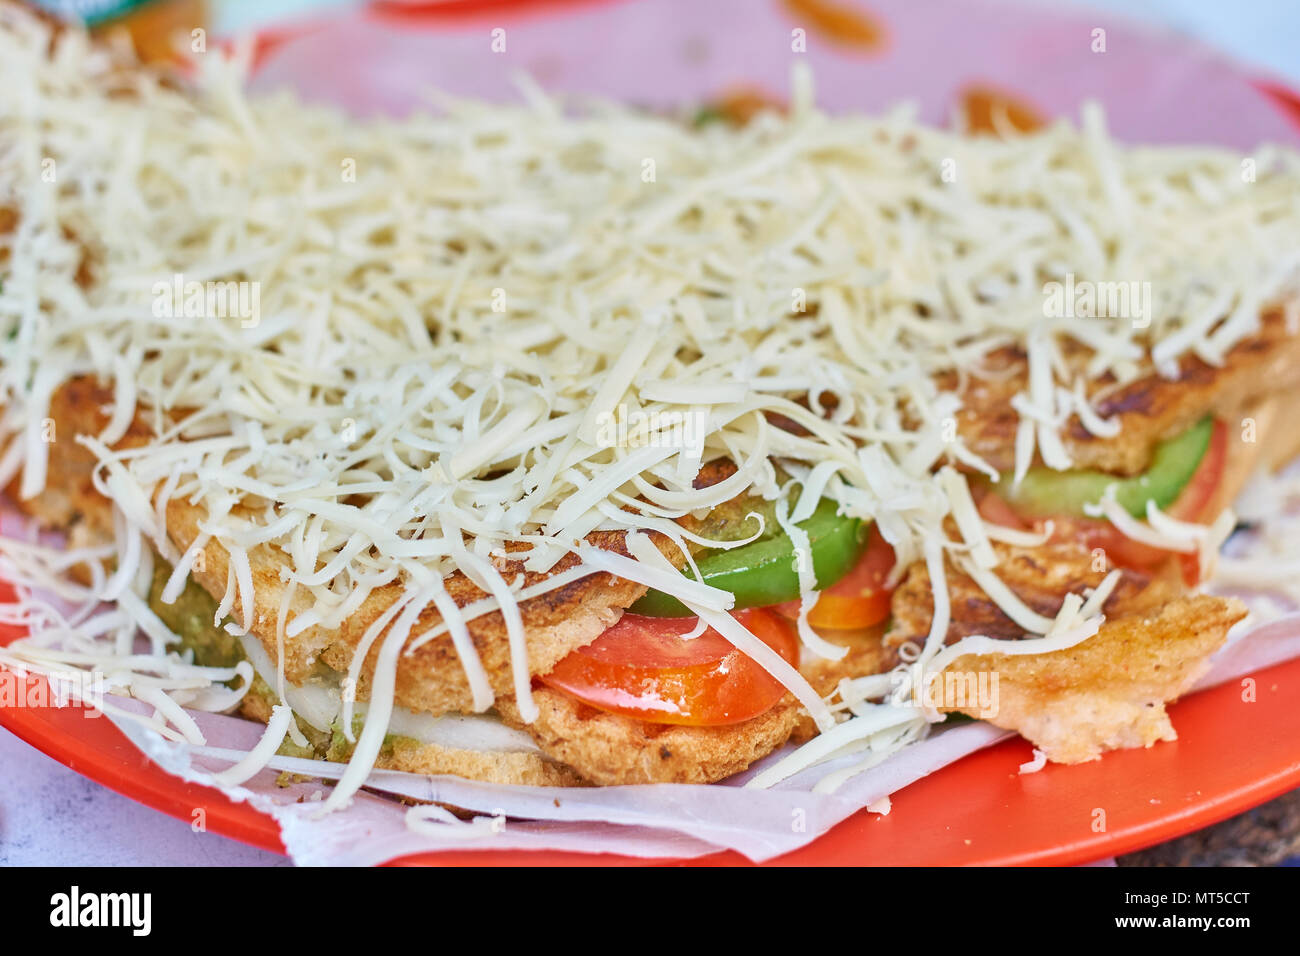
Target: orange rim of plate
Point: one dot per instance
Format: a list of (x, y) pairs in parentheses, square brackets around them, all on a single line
[(978, 811)]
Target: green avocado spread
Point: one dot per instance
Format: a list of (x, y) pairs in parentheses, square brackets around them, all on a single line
[(192, 618)]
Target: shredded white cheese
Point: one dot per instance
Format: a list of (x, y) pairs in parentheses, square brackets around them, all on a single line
[(1037, 763)]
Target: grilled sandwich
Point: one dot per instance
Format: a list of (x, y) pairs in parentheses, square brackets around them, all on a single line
[(607, 449)]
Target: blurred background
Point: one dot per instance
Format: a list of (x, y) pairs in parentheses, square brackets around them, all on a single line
[(1262, 32)]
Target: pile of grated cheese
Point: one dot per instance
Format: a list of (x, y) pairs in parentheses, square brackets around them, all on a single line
[(454, 313)]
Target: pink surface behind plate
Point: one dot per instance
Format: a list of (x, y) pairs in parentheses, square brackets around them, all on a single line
[(1157, 87)]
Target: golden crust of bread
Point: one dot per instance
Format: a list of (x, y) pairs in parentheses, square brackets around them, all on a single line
[(1274, 430), (1106, 693), (1041, 577), (1148, 410), (1110, 691), (431, 679), (611, 749), (521, 769), (69, 499), (867, 654)]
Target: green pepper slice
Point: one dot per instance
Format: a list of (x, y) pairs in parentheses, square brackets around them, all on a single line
[(1044, 492), (763, 572)]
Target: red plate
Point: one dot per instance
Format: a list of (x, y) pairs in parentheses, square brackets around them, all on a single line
[(1231, 754)]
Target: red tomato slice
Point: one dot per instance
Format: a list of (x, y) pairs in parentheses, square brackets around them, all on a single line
[(1192, 501), (859, 599), (1188, 506), (643, 668), (1123, 551), (995, 510)]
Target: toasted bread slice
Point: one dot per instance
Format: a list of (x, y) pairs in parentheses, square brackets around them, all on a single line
[(1040, 577), (1110, 691), (1149, 409), (610, 749), (431, 679)]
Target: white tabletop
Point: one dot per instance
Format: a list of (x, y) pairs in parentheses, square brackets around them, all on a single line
[(52, 816)]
